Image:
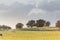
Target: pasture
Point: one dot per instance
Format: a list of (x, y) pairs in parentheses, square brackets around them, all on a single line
[(30, 35)]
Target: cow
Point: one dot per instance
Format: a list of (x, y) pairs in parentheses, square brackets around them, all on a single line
[(0, 34)]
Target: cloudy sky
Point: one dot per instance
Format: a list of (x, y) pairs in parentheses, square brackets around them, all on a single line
[(20, 11)]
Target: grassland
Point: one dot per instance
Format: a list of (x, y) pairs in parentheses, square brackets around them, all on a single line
[(30, 35)]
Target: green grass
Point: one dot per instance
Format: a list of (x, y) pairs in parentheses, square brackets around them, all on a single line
[(30, 35)]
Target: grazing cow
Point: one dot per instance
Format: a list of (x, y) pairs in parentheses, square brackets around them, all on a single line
[(0, 34)]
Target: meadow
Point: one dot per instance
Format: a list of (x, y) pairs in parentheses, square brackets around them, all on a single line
[(30, 35)]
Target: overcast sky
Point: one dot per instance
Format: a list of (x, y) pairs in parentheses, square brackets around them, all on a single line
[(20, 11)]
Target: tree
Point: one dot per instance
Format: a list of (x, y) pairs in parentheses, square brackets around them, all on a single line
[(19, 25), (4, 27), (31, 23), (47, 23), (40, 23), (58, 24)]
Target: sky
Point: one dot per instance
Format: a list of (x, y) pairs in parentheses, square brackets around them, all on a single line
[(21, 11)]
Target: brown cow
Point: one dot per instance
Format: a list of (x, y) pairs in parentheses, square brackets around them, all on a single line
[(0, 34)]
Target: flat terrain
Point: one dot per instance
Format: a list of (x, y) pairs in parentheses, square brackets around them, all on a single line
[(30, 35)]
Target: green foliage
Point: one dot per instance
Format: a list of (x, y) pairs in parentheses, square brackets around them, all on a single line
[(31, 29), (47, 23), (4, 27), (37, 29), (31, 23), (19, 25), (40, 23)]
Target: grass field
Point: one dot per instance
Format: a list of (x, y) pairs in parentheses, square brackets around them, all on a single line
[(30, 35)]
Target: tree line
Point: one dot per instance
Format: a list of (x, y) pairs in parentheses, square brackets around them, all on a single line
[(37, 23), (34, 23), (31, 23), (4, 27)]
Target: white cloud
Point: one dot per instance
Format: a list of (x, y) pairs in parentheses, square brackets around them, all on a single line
[(9, 2), (50, 6), (36, 11)]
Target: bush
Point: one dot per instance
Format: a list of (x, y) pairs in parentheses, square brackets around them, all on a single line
[(58, 24)]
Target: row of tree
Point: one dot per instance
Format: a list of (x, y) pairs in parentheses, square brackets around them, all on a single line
[(33, 23), (4, 27)]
